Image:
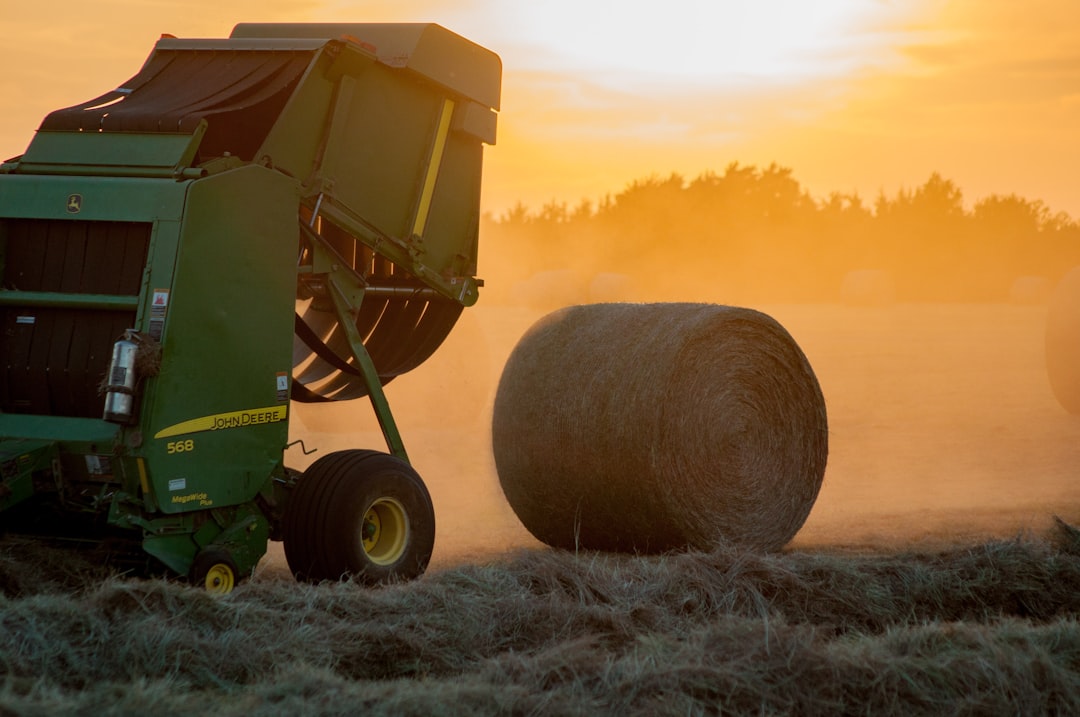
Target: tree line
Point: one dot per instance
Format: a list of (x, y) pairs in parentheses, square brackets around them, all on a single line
[(756, 234)]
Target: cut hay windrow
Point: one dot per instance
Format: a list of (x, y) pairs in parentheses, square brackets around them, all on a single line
[(656, 427), (981, 629), (1063, 341)]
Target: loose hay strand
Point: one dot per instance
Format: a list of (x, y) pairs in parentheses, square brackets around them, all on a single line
[(652, 427)]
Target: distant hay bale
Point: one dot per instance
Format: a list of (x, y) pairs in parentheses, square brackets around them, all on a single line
[(1031, 290), (552, 289), (609, 287), (1063, 341), (867, 287), (652, 427)]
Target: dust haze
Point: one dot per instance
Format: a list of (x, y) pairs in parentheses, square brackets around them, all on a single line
[(943, 426)]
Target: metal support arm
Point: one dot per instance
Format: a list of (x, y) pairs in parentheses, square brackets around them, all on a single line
[(346, 313)]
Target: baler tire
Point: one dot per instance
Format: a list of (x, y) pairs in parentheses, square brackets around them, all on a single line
[(213, 570), (360, 514)]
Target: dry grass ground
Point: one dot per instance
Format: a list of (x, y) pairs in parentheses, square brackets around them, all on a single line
[(987, 629), (930, 578)]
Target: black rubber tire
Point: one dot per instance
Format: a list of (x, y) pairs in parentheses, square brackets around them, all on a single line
[(214, 570), (328, 511)]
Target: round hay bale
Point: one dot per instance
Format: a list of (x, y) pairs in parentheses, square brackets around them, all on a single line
[(1031, 290), (867, 287), (1063, 341), (653, 427)]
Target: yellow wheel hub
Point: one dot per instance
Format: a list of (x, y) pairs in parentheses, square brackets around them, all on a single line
[(385, 531), (219, 579)]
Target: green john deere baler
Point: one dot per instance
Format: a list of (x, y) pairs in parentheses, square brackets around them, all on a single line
[(289, 214)]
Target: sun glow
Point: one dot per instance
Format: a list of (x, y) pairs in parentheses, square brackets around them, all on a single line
[(701, 41), (852, 94)]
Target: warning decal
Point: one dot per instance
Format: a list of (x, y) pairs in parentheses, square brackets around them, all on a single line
[(219, 421), (159, 306), (160, 302)]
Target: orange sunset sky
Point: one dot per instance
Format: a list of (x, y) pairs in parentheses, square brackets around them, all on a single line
[(852, 95)]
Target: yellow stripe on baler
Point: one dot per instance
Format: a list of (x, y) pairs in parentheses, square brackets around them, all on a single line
[(143, 482), (433, 168), (232, 419)]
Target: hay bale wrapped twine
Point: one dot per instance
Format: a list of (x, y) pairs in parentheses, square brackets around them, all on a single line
[(655, 427), (1063, 341)]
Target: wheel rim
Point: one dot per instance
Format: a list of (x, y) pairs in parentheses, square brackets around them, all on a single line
[(385, 531), (219, 579)]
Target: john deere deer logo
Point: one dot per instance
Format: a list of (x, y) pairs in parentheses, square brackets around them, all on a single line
[(74, 203)]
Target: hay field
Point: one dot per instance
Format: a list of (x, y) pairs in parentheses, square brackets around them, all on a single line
[(942, 427), (930, 577)]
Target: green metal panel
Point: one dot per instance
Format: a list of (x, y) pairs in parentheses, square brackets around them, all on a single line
[(390, 158), (215, 415), (74, 430), (90, 198), (110, 153), (378, 166), (298, 137)]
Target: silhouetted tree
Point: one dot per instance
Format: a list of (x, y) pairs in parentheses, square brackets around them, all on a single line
[(756, 234)]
